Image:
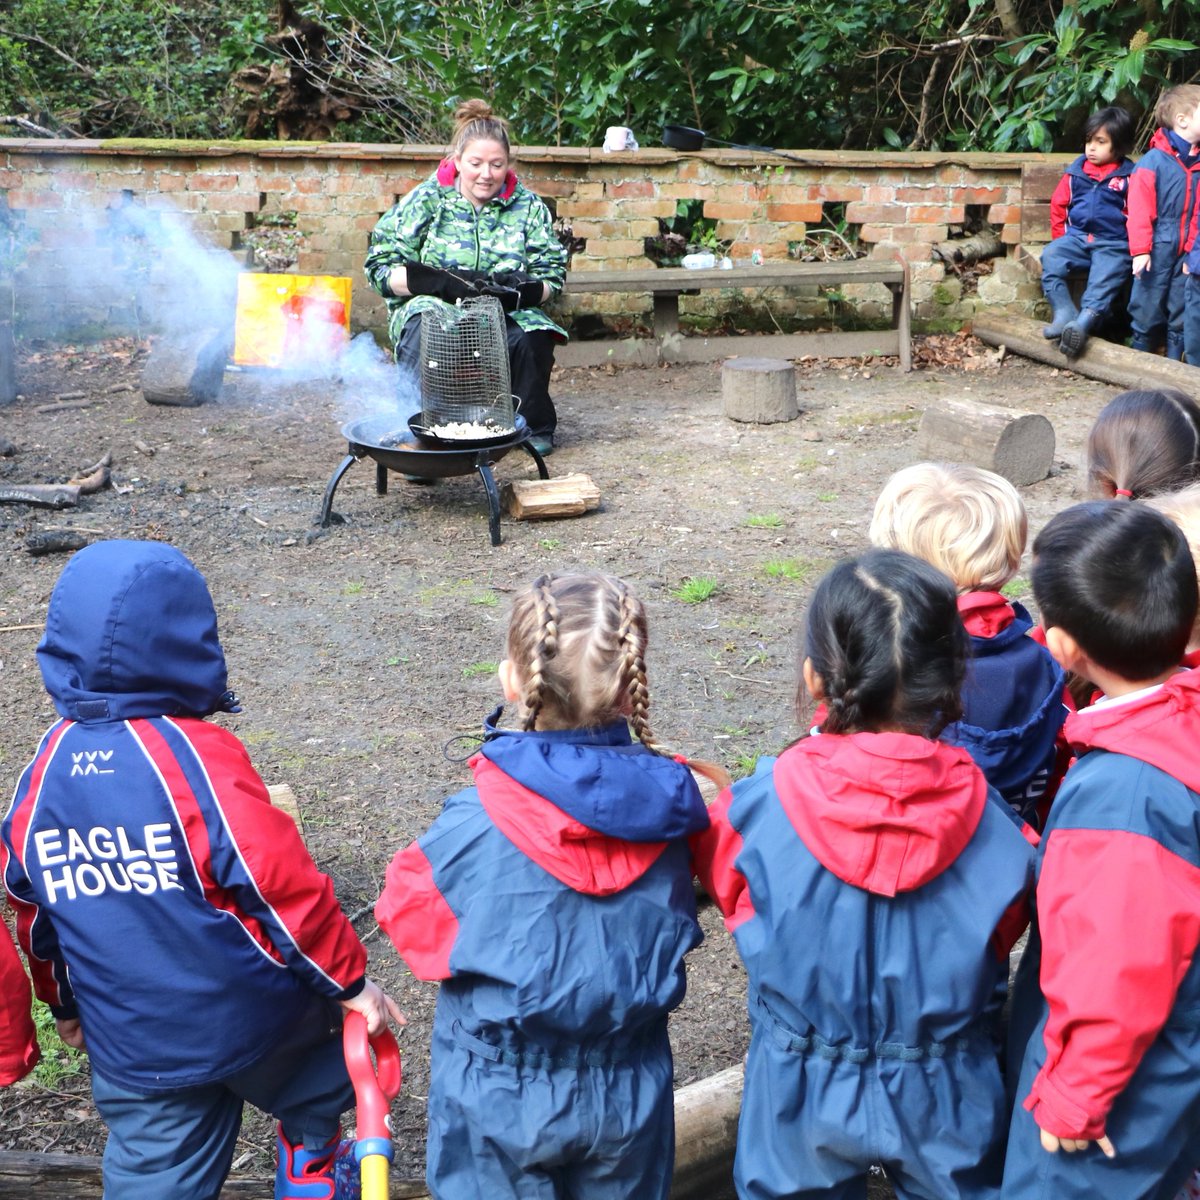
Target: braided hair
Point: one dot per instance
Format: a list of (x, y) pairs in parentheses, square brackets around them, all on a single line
[(579, 644), (886, 639)]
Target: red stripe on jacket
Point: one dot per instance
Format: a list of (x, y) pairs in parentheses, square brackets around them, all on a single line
[(415, 915), (1110, 967), (714, 852), (18, 1039)]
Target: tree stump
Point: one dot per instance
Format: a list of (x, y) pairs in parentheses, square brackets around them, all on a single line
[(1018, 445), (759, 390), (186, 371)]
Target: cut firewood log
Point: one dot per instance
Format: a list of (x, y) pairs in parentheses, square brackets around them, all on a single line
[(92, 479), (186, 371), (55, 541), (1018, 445), (284, 799), (759, 390), (986, 244), (543, 499), (44, 495), (706, 1121)]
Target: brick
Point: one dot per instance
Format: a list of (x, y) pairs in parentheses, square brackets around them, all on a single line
[(644, 208), (933, 214), (169, 181), (640, 188), (614, 248), (208, 181), (879, 194), (643, 229), (740, 211), (807, 213), (584, 208), (875, 214), (981, 195), (934, 194), (1004, 214), (24, 198), (686, 191)]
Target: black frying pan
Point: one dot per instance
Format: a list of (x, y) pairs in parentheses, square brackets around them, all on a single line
[(684, 137)]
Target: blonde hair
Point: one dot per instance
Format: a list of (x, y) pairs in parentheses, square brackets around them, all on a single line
[(967, 522), (1183, 507), (475, 121), (1184, 98)]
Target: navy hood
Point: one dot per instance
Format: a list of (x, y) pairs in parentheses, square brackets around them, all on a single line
[(132, 632), (603, 779)]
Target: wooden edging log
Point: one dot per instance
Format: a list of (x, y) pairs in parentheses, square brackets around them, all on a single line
[(706, 1117), (1018, 445), (43, 495), (1101, 360)]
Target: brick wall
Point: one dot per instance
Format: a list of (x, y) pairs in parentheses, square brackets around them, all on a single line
[(61, 201)]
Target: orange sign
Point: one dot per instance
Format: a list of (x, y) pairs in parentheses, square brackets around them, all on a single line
[(298, 322)]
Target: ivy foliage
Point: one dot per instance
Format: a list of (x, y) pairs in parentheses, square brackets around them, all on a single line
[(868, 74)]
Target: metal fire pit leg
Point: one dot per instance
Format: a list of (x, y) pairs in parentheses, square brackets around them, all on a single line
[(327, 516), (493, 496), (381, 479), (539, 461)]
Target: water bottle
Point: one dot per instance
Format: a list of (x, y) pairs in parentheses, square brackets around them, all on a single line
[(699, 262)]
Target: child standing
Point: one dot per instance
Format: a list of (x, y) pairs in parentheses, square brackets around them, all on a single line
[(172, 917), (1109, 986), (874, 885), (971, 524), (1162, 196), (554, 902), (1087, 223)]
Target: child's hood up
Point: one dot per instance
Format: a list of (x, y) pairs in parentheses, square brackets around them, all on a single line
[(131, 632), (886, 812), (589, 806)]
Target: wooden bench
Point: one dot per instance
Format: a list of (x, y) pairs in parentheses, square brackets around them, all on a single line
[(668, 344)]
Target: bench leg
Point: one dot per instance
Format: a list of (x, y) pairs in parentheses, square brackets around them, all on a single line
[(666, 315), (902, 317)]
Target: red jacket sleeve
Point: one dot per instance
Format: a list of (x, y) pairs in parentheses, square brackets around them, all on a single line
[(18, 1040), (1110, 967), (415, 915), (1060, 203), (286, 899), (713, 854), (1142, 207)]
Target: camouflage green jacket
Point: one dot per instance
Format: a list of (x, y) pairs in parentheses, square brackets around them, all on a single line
[(434, 224)]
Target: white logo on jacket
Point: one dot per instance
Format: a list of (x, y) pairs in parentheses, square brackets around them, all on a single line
[(84, 762), (78, 863)]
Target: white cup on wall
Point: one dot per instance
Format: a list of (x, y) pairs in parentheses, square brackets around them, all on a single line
[(619, 137)]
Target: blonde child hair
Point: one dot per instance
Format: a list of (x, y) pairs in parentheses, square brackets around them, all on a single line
[(967, 522), (1184, 98), (577, 644), (1183, 507)]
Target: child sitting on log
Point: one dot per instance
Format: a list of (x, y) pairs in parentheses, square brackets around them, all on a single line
[(874, 884), (1088, 225), (972, 525), (173, 919), (554, 902)]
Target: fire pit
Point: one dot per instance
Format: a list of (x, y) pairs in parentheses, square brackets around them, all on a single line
[(395, 447)]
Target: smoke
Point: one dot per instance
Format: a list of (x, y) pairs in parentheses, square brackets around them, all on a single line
[(368, 384)]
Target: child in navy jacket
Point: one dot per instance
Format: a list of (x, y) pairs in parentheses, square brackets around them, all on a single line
[(972, 525), (172, 917), (1087, 223), (1105, 1022), (554, 901), (874, 885), (1162, 201)]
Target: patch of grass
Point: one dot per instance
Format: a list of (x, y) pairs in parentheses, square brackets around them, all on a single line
[(59, 1061), (696, 589), (734, 730), (827, 497), (793, 569), (806, 463), (353, 589), (488, 599), (743, 764), (764, 521), (1015, 588), (551, 543), (474, 670), (757, 657)]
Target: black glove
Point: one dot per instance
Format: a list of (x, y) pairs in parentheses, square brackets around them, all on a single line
[(514, 289), (448, 285)]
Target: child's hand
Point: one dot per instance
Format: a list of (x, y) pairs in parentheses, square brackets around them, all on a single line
[(71, 1032), (376, 1005), (1070, 1145), (1141, 262)]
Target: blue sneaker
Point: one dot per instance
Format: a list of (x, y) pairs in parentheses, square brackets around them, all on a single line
[(543, 443), (331, 1173)]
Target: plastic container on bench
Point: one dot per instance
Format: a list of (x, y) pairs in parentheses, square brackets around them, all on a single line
[(698, 262)]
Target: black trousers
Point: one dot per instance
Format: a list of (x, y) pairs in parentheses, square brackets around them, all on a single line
[(530, 358)]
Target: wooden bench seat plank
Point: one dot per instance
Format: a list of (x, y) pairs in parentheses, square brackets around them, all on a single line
[(664, 279)]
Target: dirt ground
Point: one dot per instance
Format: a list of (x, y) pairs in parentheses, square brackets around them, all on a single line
[(364, 654)]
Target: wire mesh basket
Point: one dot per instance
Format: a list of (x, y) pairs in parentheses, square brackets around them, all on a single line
[(466, 390)]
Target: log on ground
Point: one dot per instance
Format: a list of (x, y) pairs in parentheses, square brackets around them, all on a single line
[(1101, 360), (186, 371), (759, 390), (543, 499), (1018, 445), (42, 495)]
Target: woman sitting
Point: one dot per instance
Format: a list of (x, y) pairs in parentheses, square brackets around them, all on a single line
[(473, 229)]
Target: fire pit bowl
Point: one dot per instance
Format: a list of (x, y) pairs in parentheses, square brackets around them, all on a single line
[(394, 446)]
